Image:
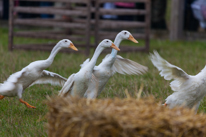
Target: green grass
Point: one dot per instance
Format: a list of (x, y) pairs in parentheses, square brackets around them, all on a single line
[(17, 120)]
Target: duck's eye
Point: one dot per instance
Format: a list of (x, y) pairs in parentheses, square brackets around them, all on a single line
[(65, 40), (107, 41), (125, 32)]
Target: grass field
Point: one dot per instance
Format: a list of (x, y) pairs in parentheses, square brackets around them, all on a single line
[(17, 120)]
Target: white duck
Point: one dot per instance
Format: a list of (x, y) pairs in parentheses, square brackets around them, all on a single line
[(34, 73), (188, 90), (111, 64), (77, 84)]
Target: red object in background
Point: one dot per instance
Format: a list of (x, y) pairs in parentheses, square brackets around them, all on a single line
[(16, 3), (125, 4)]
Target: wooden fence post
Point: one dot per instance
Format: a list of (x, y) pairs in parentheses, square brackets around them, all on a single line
[(96, 22), (177, 15), (148, 20), (10, 42), (88, 26)]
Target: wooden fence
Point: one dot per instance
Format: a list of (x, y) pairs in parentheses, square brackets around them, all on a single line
[(78, 26), (113, 25)]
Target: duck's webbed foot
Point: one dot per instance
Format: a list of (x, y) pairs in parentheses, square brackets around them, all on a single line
[(27, 104), (1, 97)]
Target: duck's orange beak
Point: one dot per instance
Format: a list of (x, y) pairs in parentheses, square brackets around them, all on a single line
[(71, 46), (132, 39), (115, 47)]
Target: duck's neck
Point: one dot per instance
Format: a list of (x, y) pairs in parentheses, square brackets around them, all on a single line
[(50, 59), (117, 42), (97, 52)]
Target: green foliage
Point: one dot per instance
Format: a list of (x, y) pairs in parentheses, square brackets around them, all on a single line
[(17, 120)]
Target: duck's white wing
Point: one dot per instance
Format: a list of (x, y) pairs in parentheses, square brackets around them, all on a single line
[(169, 71), (66, 89), (84, 63), (127, 66), (12, 80), (52, 78)]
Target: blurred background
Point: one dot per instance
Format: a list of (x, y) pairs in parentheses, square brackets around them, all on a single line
[(88, 22)]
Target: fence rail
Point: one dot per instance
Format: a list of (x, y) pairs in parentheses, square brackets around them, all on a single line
[(77, 24)]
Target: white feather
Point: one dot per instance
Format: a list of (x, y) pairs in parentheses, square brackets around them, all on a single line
[(10, 83), (127, 66), (169, 71), (66, 89), (52, 78), (189, 90)]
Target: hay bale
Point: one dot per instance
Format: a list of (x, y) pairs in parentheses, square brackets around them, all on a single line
[(75, 117)]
